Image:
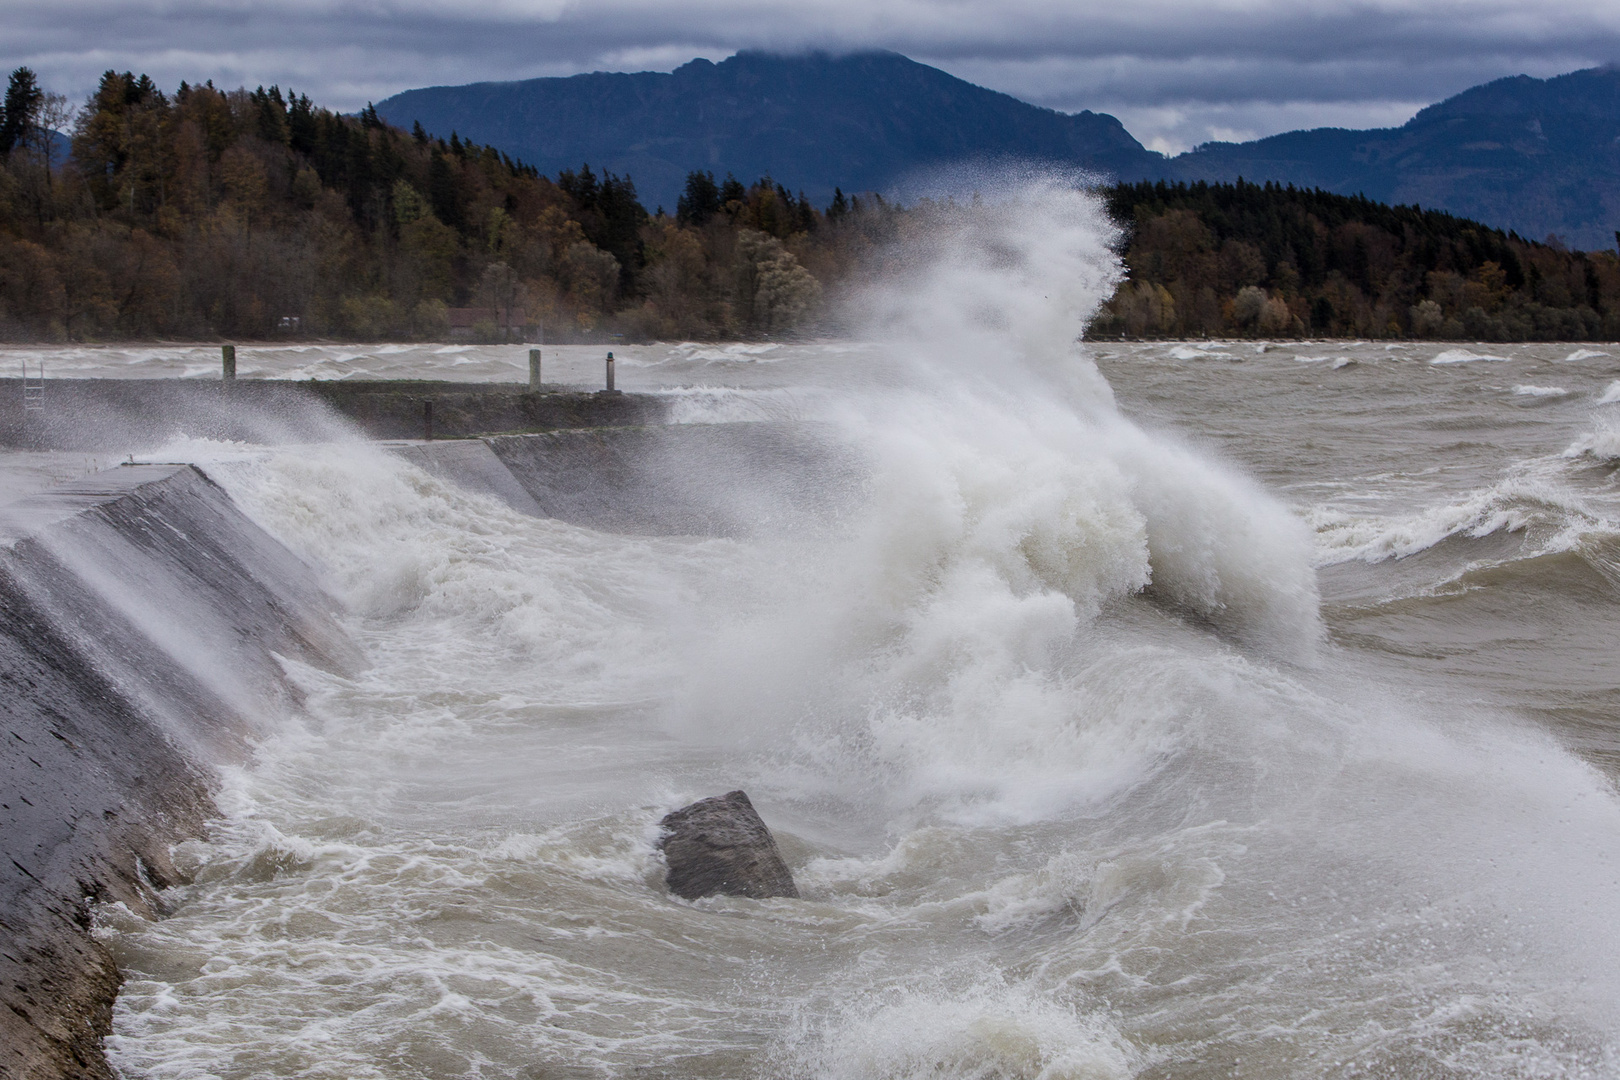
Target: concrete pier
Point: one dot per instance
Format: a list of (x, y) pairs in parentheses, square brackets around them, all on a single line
[(133, 414)]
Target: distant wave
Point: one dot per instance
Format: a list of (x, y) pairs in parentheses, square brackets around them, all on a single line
[(1559, 518), (1526, 390), (1463, 356), (1197, 352)]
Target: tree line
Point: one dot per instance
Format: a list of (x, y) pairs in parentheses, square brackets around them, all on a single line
[(1250, 259), (250, 214)]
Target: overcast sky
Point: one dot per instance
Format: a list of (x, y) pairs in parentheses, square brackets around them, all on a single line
[(1177, 73)]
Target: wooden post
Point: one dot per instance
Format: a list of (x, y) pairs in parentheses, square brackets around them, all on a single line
[(427, 420), (610, 372), (227, 355), (534, 371)]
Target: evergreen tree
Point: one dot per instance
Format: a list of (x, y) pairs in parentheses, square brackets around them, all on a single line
[(444, 190), (700, 201), (580, 186), (302, 128), (24, 98), (619, 217)]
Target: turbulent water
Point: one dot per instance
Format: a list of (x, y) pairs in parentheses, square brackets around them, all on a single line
[(1160, 710)]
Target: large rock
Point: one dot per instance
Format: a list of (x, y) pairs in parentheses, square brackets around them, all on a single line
[(719, 845)]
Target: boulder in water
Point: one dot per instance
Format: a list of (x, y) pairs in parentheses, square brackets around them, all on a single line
[(719, 845)]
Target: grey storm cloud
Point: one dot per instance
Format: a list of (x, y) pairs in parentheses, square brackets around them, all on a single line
[(1176, 72)]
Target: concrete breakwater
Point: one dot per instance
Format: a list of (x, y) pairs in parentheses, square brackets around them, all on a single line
[(142, 616), (95, 414)]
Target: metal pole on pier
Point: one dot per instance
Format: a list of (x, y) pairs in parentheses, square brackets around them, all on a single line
[(227, 355), (534, 371), (610, 373)]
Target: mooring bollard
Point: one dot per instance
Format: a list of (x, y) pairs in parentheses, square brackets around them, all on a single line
[(227, 355), (610, 373), (427, 420), (534, 371)]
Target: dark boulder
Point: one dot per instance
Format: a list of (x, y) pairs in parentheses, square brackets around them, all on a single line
[(719, 845)]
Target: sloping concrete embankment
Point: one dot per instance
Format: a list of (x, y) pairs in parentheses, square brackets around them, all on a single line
[(677, 479), (140, 619)]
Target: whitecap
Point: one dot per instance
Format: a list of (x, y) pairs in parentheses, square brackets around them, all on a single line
[(1463, 356), (1512, 505), (1611, 395), (1583, 354), (1526, 390), (1602, 445)]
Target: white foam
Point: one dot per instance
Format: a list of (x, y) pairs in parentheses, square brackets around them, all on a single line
[(1464, 356), (1583, 354), (1527, 390), (1611, 394), (989, 1028)]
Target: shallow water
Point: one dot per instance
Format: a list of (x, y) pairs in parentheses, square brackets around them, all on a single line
[(1163, 710)]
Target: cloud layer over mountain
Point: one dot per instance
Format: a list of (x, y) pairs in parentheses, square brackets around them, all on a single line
[(1177, 73)]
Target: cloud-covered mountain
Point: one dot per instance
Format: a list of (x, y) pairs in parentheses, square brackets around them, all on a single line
[(862, 122), (1538, 156)]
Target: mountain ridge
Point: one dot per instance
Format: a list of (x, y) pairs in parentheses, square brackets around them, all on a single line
[(815, 121), (1536, 156), (1540, 157)]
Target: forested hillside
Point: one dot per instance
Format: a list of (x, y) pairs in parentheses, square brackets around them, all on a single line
[(1265, 260), (256, 214)]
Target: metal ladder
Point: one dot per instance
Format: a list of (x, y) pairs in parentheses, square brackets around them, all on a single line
[(33, 401)]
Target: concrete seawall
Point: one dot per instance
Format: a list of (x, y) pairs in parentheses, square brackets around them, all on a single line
[(140, 616), (692, 479)]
